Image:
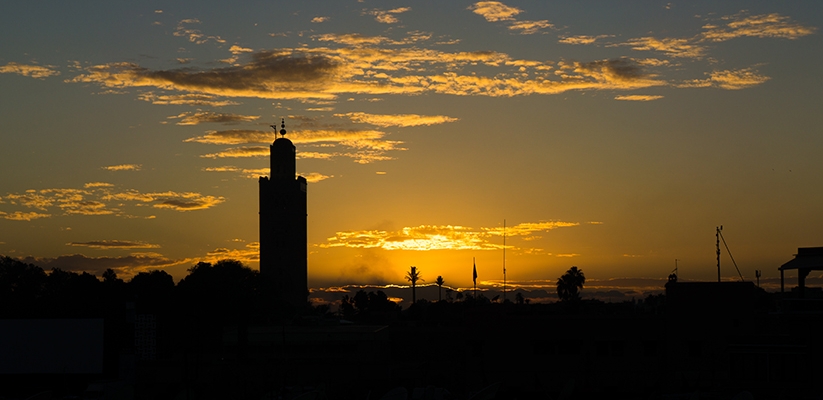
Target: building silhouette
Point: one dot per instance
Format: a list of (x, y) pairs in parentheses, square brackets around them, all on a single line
[(806, 260), (283, 217)]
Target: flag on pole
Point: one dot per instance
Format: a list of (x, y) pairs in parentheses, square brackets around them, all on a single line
[(474, 272)]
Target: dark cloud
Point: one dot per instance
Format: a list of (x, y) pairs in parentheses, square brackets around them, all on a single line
[(620, 67), (194, 118), (115, 244), (266, 67), (128, 265), (269, 74), (185, 205)]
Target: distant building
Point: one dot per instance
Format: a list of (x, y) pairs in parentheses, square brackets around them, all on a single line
[(283, 217)]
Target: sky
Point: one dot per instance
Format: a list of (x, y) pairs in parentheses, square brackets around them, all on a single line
[(611, 136)]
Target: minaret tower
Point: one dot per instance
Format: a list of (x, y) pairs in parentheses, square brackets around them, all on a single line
[(283, 218)]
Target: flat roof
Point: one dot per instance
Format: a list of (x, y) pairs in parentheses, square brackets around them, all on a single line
[(806, 258)]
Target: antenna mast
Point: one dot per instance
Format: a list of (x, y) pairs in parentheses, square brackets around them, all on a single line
[(673, 275)]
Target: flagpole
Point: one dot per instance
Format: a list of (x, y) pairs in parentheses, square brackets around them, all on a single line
[(504, 261), (474, 276)]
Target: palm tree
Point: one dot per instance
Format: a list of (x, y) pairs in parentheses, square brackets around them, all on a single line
[(570, 284), (439, 281), (413, 276)]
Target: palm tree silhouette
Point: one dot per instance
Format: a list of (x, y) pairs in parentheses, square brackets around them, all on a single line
[(570, 284), (439, 281), (413, 276)]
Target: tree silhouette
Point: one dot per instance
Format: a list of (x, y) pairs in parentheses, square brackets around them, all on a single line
[(413, 276), (439, 281), (371, 306), (153, 290), (570, 284), (347, 307), (226, 291), (21, 285), (109, 276)]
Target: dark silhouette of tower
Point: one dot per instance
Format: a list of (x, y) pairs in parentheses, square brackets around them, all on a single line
[(283, 217)]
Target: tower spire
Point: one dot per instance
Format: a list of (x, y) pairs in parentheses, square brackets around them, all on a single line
[(283, 127)]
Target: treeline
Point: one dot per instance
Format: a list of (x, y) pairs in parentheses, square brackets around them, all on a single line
[(230, 293), (226, 292)]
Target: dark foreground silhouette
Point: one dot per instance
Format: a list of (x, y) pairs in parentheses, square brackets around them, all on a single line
[(222, 332)]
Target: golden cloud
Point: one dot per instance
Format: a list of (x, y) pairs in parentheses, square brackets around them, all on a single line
[(251, 173), (387, 16), (97, 185), (352, 39), (254, 173), (761, 26), (402, 120), (256, 151), (189, 202), (86, 208), (728, 79), (670, 46), (34, 71), (323, 73), (318, 20), (529, 27), (23, 216), (369, 144), (235, 49), (432, 237), (98, 199), (186, 99), (123, 167), (194, 35), (739, 79), (314, 177), (315, 155), (639, 97), (359, 40), (235, 136), (494, 10), (527, 229), (29, 199), (178, 201), (582, 39), (251, 253), (226, 168)]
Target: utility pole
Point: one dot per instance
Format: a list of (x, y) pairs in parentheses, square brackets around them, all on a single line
[(717, 235)]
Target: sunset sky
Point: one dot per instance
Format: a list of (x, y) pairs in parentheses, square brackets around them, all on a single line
[(613, 136)]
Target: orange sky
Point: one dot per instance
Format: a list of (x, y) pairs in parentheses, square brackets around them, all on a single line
[(615, 138)]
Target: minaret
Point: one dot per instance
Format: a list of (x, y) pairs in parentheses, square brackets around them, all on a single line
[(283, 217)]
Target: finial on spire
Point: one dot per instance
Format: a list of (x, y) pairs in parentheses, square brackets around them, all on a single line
[(282, 127)]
